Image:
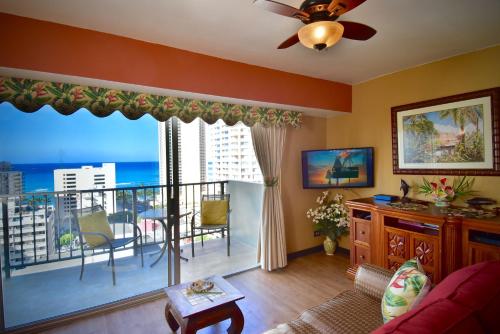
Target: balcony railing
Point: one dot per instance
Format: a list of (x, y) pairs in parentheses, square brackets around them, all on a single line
[(39, 228)]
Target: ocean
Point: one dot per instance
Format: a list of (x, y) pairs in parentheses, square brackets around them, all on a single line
[(40, 177)]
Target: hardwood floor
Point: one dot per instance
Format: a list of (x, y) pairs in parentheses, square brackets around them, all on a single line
[(271, 298)]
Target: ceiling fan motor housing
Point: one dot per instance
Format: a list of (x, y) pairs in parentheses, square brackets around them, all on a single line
[(318, 11)]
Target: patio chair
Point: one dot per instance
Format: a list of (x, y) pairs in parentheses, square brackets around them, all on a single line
[(95, 232), (212, 218)]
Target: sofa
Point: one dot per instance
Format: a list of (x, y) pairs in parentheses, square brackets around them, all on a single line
[(467, 301)]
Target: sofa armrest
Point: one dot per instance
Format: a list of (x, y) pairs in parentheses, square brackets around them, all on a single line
[(372, 280)]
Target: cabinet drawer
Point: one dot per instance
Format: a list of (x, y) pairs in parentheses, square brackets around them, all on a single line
[(361, 255), (362, 231)]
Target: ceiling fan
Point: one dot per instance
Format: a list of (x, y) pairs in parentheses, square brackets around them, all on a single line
[(321, 29)]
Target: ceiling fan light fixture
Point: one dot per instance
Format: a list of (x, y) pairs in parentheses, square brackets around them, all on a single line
[(320, 35)]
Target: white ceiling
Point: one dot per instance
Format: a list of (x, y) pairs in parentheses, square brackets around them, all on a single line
[(410, 32)]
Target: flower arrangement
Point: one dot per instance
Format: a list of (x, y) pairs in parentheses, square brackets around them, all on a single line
[(330, 217), (443, 192)]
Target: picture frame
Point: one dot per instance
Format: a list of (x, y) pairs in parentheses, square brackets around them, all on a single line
[(453, 135)]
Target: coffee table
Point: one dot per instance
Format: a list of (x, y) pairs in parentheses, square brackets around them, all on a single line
[(194, 312)]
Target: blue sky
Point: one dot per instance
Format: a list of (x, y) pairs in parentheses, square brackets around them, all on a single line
[(49, 137)]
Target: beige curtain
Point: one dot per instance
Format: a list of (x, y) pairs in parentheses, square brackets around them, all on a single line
[(268, 143)]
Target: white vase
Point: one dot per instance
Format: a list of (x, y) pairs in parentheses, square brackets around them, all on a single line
[(330, 246)]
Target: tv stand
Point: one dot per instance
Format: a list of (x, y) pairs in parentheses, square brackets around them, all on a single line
[(388, 236)]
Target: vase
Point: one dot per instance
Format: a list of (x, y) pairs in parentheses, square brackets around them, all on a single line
[(330, 246), (442, 203)]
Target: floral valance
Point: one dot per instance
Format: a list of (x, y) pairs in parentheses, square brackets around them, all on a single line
[(30, 95)]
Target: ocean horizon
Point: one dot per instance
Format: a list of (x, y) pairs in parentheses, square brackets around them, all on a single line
[(40, 177)]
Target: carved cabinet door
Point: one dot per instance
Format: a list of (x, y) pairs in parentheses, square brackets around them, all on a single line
[(396, 247), (426, 248)]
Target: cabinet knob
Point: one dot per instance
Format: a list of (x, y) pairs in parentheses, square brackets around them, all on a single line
[(362, 232), (362, 257)]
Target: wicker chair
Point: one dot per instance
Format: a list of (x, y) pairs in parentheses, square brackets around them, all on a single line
[(107, 243), (199, 222), (351, 311)]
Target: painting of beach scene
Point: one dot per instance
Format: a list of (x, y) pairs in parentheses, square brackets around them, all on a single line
[(338, 168), (447, 136)]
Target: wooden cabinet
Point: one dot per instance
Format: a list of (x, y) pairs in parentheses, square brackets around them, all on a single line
[(362, 231), (396, 248), (361, 255), (481, 242), (426, 249), (360, 237), (387, 237)]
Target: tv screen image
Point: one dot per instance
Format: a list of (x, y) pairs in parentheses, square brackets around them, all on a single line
[(338, 168)]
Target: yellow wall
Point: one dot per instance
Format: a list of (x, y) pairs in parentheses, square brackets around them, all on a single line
[(370, 121), (296, 200), (370, 125)]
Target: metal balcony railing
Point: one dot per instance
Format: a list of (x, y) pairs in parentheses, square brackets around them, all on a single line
[(39, 228)]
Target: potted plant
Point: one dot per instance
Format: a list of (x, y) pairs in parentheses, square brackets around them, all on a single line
[(330, 219), (443, 194)]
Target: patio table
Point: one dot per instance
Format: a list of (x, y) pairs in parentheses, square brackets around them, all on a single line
[(161, 215)]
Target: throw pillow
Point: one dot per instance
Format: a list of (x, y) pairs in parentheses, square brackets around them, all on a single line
[(405, 290), (214, 212), (95, 222)]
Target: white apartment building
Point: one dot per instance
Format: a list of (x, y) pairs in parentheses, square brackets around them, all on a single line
[(84, 178), (211, 153), (31, 232), (31, 226), (230, 154)]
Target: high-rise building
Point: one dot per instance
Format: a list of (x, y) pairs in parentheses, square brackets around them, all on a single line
[(211, 153), (230, 154), (31, 224), (11, 182), (31, 232), (84, 178)]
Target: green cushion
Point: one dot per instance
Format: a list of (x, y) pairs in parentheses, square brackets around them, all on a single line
[(406, 289), (95, 222), (214, 212)]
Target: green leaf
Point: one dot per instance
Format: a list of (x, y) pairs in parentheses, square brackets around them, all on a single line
[(415, 283), (394, 300)]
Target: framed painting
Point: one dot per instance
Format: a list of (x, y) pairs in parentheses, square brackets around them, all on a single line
[(454, 135)]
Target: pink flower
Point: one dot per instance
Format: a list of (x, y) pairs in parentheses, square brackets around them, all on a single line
[(443, 181), (111, 97), (168, 104), (40, 90), (77, 93), (141, 100)]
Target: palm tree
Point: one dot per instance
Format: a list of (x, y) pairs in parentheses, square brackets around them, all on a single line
[(419, 125), (474, 114), (459, 117)]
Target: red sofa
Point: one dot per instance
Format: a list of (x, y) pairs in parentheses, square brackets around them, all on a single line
[(467, 301)]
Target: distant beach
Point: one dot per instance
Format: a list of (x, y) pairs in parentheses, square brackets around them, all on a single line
[(40, 177)]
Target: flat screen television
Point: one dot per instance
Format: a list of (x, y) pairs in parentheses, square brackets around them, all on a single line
[(338, 168)]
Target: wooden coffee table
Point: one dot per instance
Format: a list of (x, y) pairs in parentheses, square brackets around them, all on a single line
[(208, 309)]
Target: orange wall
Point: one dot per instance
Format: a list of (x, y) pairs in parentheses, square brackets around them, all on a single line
[(296, 200), (49, 47)]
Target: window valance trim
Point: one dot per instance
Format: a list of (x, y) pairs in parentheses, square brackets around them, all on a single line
[(30, 95)]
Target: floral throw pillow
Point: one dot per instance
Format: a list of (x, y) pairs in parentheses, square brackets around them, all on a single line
[(406, 289)]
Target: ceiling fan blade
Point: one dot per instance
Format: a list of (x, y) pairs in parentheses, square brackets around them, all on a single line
[(339, 7), (357, 31), (282, 9), (294, 39)]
